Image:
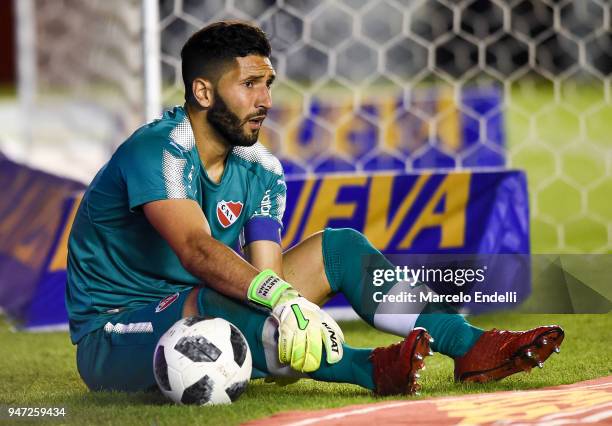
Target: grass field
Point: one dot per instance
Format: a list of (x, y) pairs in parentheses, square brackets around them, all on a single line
[(39, 370)]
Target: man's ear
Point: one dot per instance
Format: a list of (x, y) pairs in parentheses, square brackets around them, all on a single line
[(202, 92)]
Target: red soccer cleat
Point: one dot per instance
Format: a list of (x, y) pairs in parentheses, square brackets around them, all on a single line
[(396, 367), (498, 354)]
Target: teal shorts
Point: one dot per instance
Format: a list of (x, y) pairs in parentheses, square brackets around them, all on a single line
[(119, 356)]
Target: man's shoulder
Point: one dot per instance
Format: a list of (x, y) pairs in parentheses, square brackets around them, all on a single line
[(259, 160), (171, 132)]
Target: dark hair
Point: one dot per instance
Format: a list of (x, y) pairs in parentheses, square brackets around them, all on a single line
[(208, 50)]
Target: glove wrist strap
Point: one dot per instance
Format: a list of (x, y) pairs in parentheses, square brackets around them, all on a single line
[(267, 288)]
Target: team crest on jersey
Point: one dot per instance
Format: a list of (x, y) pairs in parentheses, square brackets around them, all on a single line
[(228, 212), (165, 302)]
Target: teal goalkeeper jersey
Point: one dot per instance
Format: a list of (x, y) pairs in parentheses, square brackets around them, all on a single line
[(117, 260)]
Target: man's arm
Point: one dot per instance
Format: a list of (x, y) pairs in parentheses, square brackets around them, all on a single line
[(265, 254), (302, 334), (183, 225)]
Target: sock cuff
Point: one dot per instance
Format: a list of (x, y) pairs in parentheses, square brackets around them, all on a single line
[(331, 260)]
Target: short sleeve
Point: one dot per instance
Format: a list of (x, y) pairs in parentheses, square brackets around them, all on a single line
[(157, 170), (266, 222)]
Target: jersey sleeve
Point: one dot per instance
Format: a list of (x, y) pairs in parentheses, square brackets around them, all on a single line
[(156, 170), (266, 222)]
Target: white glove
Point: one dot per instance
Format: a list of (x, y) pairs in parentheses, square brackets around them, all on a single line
[(300, 334), (333, 338), (303, 327)]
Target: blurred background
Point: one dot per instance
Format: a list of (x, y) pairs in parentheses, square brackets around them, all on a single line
[(363, 86)]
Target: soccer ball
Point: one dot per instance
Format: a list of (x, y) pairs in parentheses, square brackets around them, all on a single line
[(202, 361)]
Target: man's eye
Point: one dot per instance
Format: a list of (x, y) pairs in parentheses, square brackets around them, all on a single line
[(248, 84)]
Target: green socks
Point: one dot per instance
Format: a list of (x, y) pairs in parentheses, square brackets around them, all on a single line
[(453, 335), (350, 261), (355, 367)]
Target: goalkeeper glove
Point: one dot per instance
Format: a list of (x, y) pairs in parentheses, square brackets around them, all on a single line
[(303, 327)]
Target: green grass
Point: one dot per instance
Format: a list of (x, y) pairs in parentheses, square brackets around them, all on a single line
[(39, 370)]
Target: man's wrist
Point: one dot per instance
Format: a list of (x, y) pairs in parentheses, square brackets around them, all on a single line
[(267, 289)]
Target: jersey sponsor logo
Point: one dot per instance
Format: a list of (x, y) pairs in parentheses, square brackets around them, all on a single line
[(228, 212), (165, 302), (266, 204)]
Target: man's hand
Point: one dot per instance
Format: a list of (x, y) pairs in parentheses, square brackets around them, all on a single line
[(300, 339), (303, 327)]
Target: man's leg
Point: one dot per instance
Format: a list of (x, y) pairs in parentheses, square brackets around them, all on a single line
[(260, 331), (390, 370), (331, 261), (119, 356)]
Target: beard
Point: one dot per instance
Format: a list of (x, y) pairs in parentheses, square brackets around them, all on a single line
[(229, 125)]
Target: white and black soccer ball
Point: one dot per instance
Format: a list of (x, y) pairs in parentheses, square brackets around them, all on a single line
[(202, 361)]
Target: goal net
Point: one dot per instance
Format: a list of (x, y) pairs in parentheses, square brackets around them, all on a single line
[(366, 86)]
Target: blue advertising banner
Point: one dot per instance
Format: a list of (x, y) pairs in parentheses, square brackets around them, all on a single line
[(30, 216), (425, 215), (455, 212), (417, 214), (46, 310)]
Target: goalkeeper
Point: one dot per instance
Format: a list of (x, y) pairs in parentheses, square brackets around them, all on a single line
[(159, 229)]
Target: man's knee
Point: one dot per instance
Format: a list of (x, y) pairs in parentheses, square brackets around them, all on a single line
[(343, 253), (348, 238)]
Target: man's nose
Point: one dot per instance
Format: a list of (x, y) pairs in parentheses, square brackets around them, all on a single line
[(264, 99)]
